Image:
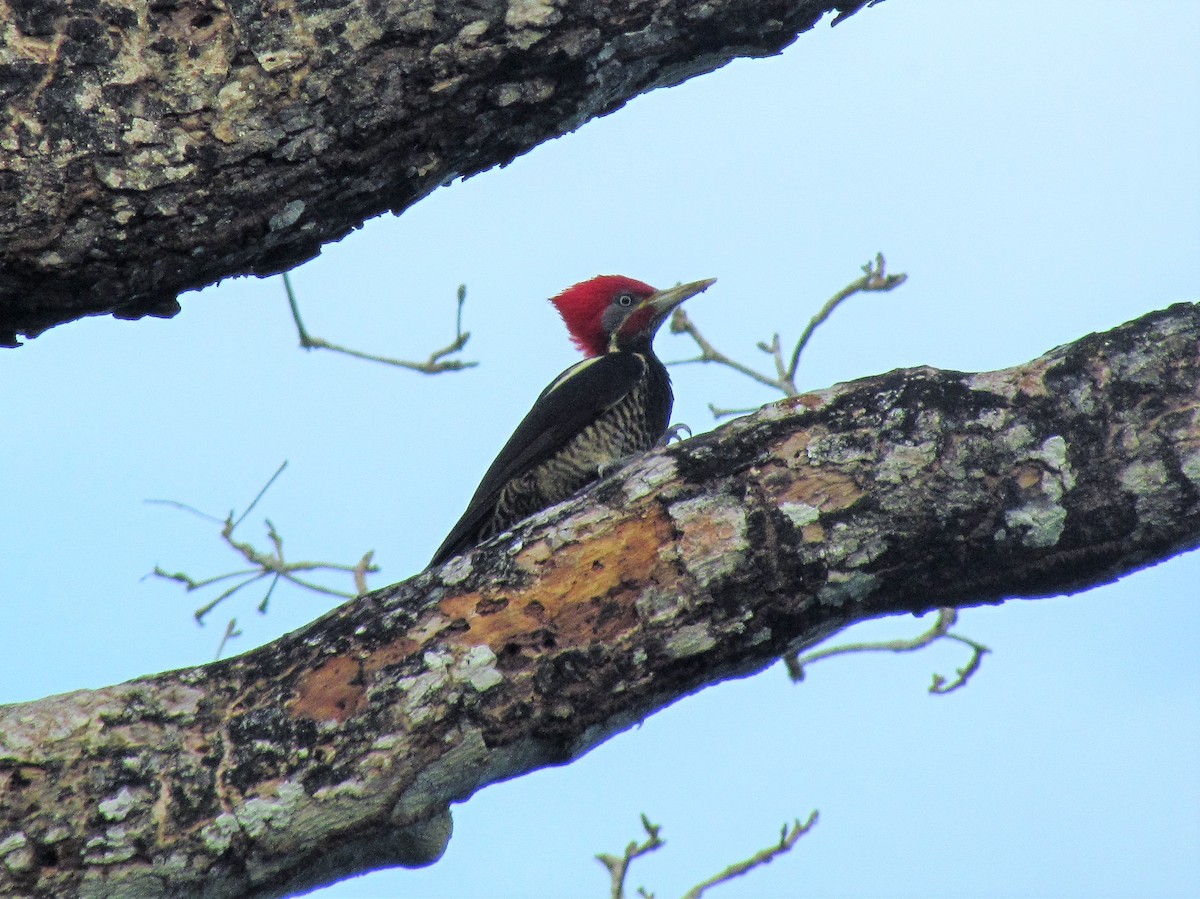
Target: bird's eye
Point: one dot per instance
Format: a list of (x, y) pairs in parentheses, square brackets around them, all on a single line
[(625, 299)]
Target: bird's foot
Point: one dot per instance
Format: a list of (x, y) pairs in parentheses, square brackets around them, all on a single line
[(674, 432), (604, 469)]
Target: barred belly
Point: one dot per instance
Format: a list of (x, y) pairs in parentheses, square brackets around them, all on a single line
[(623, 430)]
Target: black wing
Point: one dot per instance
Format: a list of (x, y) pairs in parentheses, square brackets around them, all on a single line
[(574, 400)]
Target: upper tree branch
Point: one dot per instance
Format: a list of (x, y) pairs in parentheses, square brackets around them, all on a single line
[(340, 747), (147, 148)]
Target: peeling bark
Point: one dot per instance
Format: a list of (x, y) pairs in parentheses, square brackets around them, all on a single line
[(339, 748), (148, 148)]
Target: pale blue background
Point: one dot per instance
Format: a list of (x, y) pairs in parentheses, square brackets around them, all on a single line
[(1034, 167)]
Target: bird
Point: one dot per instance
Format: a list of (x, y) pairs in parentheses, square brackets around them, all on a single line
[(613, 404)]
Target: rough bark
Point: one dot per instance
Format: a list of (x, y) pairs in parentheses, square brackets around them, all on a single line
[(148, 147), (339, 748)]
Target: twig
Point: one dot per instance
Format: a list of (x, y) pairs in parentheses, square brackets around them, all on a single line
[(618, 867), (201, 612), (788, 838), (718, 412), (266, 600), (940, 685), (874, 279), (681, 324), (190, 584), (435, 364), (940, 630), (266, 487), (361, 569), (231, 631), (265, 564), (185, 507)]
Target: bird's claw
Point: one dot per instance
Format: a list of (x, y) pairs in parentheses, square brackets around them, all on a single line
[(673, 433)]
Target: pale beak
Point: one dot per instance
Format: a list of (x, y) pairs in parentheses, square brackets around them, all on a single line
[(664, 301)]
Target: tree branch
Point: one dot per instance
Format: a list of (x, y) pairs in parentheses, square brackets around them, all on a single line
[(618, 866), (788, 837), (150, 148), (796, 663), (434, 365), (339, 748), (267, 564)]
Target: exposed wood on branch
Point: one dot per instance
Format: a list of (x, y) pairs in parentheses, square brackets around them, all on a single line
[(147, 148), (340, 747)]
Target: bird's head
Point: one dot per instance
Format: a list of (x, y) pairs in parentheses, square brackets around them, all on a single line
[(612, 312)]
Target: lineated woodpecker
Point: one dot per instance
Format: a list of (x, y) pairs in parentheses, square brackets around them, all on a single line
[(614, 403)]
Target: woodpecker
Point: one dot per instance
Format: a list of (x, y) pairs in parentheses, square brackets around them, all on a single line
[(612, 404)]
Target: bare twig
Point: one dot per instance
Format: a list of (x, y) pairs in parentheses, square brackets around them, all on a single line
[(185, 507), (361, 570), (681, 324), (264, 564), (940, 630), (788, 838), (940, 685), (718, 412), (435, 364), (201, 612), (231, 631), (874, 279), (618, 866), (266, 487)]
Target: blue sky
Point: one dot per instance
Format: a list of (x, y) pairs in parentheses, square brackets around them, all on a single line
[(1033, 167)]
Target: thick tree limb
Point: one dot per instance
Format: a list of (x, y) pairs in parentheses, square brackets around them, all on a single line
[(147, 147), (340, 747)]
